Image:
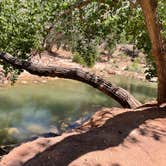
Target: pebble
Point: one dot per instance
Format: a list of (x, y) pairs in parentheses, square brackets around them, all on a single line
[(24, 82), (44, 81)]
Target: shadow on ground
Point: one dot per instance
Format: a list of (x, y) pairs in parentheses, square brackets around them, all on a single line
[(111, 134)]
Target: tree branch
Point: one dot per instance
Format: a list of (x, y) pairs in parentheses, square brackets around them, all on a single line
[(120, 95)]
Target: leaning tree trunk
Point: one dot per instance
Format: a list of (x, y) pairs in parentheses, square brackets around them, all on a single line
[(120, 95), (149, 8), (162, 80)]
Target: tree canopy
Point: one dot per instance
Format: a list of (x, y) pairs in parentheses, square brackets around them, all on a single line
[(79, 26)]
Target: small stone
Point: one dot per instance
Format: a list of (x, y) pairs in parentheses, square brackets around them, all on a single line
[(154, 79), (13, 131), (24, 82), (111, 72), (36, 82), (44, 81), (5, 82)]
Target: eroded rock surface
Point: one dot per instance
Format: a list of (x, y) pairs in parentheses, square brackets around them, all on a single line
[(112, 137)]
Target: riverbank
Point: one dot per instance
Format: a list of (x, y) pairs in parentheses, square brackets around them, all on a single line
[(33, 109), (117, 66), (113, 137)]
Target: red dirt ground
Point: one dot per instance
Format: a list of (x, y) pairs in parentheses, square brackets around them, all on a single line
[(112, 137)]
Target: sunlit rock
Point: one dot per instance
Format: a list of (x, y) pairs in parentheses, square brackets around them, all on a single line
[(13, 131)]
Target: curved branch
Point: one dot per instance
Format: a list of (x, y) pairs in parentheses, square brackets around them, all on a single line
[(120, 95)]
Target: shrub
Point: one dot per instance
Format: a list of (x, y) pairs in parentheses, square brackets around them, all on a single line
[(78, 58)]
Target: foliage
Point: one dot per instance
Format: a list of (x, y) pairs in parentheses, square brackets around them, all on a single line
[(22, 26), (87, 54), (78, 59), (74, 25)]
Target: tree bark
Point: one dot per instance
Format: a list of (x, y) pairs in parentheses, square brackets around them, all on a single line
[(161, 69), (149, 8), (120, 95)]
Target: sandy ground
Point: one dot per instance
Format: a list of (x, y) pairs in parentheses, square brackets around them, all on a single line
[(112, 137)]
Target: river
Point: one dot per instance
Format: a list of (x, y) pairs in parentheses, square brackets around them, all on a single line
[(32, 109)]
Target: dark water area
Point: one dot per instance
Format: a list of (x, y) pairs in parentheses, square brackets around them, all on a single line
[(33, 109)]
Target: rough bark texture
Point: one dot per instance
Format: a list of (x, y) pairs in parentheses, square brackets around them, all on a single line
[(149, 8), (120, 95)]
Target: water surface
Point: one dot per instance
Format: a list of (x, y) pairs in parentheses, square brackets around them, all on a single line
[(28, 110)]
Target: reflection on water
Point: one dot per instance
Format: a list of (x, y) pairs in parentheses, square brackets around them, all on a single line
[(143, 91), (27, 110)]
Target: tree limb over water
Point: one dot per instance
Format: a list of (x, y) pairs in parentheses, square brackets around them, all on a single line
[(117, 93)]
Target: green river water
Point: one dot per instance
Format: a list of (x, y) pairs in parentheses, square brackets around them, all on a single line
[(28, 110)]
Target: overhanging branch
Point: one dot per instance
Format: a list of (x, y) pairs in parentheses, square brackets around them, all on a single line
[(120, 95)]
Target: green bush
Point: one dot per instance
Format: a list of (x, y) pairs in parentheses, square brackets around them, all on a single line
[(133, 67), (78, 59), (87, 59)]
